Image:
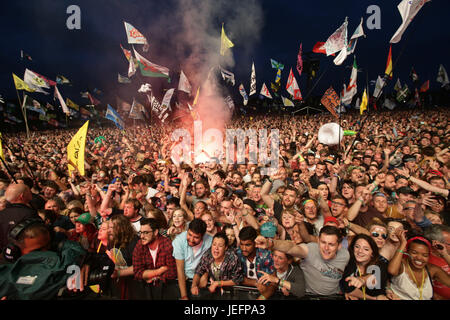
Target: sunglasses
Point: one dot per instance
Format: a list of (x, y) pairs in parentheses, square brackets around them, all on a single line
[(376, 235)]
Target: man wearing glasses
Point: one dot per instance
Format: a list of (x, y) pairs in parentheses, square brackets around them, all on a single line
[(254, 260), (153, 262)]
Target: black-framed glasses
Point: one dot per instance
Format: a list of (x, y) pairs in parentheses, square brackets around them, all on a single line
[(376, 235), (338, 203), (144, 233), (251, 273)]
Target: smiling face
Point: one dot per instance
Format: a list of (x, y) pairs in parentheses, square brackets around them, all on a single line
[(287, 220), (378, 234), (419, 255), (178, 218), (328, 246), (362, 251)]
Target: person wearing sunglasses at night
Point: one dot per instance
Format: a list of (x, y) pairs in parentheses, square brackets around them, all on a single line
[(412, 276), (358, 282)]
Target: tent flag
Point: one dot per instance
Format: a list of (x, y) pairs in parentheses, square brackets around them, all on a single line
[(331, 100), (265, 92), (253, 80), (243, 94), (442, 77), (20, 84), (408, 10), (183, 84), (225, 42), (61, 101), (149, 69), (75, 150), (112, 115), (388, 71), (287, 102), (135, 37), (299, 61), (292, 86), (363, 106), (338, 40)]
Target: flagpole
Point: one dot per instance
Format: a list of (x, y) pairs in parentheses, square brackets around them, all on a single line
[(24, 113)]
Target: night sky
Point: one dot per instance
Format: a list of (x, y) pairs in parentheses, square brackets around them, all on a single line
[(91, 57)]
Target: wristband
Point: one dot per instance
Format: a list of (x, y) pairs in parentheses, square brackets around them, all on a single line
[(234, 225), (261, 297), (183, 297)]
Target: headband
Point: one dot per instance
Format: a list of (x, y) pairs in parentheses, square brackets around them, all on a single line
[(307, 201), (420, 239)]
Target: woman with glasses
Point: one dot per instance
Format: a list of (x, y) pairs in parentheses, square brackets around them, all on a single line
[(365, 276)]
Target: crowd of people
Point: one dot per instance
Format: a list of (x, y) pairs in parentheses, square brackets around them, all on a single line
[(366, 219)]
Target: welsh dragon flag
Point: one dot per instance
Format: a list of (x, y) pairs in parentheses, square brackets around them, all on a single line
[(149, 69)]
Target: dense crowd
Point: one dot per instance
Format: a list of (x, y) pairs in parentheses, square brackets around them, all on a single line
[(365, 219)]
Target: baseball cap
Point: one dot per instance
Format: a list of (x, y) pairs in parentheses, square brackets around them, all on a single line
[(85, 218), (330, 219)]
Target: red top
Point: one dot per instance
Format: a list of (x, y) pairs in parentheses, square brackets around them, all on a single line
[(438, 287)]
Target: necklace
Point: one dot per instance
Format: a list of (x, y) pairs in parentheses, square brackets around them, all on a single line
[(364, 286), (416, 282)]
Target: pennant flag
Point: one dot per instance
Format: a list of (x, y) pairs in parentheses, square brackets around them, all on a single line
[(265, 92), (135, 37), (331, 100), (75, 150), (299, 61), (72, 104), (363, 106), (62, 80), (20, 84), (389, 104), (243, 94), (352, 88), (253, 80), (292, 86), (442, 76), (131, 68), (122, 105), (276, 65), (403, 94), (378, 87), (123, 79), (112, 115), (93, 100), (35, 80), (388, 71), (408, 10), (149, 69), (359, 32), (413, 75), (398, 85), (287, 102), (61, 101), (145, 88), (228, 76), (225, 43), (425, 86), (338, 40), (183, 84), (23, 55), (136, 111)]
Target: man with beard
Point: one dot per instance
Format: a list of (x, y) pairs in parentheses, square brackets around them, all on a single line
[(201, 192), (361, 212), (188, 249)]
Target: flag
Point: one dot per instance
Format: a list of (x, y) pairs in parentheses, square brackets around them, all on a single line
[(145, 88), (61, 101), (23, 55), (136, 110), (338, 40), (389, 104), (287, 102), (243, 94), (319, 47), (276, 65), (93, 100), (112, 115), (123, 79), (85, 94), (352, 88), (62, 80), (378, 87), (225, 43), (20, 84), (425, 86), (278, 77), (292, 86), (363, 106), (253, 80), (408, 10), (131, 68), (331, 100), (413, 75), (35, 80), (75, 150), (183, 84), (32, 105), (123, 105), (398, 85), (127, 53), (265, 92), (229, 102), (442, 77), (165, 104), (72, 104), (344, 52), (149, 69), (135, 37), (228, 76), (388, 71), (299, 61), (403, 94)]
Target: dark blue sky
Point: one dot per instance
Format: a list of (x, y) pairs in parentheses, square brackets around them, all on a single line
[(91, 57)]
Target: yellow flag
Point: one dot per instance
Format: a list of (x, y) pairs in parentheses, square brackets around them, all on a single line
[(196, 97), (75, 150), (1, 148), (225, 43), (72, 104), (20, 84), (363, 105), (388, 70)]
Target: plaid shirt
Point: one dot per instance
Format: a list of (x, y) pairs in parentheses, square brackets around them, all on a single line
[(142, 259)]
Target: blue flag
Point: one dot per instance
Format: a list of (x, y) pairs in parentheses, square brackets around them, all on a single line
[(112, 115)]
